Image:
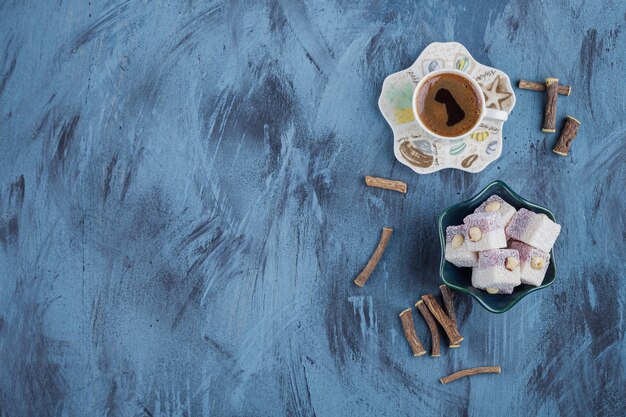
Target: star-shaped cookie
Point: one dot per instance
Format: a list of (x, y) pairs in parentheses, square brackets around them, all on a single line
[(496, 93)]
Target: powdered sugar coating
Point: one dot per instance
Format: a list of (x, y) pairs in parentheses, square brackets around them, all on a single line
[(486, 222), (534, 229), (494, 197), (461, 256), (519, 224), (528, 274), (506, 210), (452, 231), (496, 257), (527, 252), (500, 278), (489, 240)]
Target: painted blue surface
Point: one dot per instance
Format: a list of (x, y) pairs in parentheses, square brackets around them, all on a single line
[(182, 211)]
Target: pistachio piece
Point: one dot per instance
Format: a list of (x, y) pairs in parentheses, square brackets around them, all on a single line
[(492, 290)]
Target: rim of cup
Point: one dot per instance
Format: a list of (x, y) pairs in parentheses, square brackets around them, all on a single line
[(472, 81)]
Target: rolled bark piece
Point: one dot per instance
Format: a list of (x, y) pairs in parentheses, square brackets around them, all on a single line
[(470, 372), (393, 185), (432, 326), (564, 90), (378, 253), (549, 115), (409, 332), (568, 134), (448, 327)]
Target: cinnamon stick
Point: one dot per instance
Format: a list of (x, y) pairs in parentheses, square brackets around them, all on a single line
[(564, 90), (448, 327), (549, 115), (432, 326), (409, 332), (393, 185), (470, 372), (378, 253), (568, 134)]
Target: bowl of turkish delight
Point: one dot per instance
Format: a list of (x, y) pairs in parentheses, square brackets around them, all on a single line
[(497, 247)]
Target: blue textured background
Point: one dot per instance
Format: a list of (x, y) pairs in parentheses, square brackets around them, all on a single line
[(182, 211)]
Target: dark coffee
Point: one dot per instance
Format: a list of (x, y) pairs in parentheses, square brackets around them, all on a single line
[(448, 105)]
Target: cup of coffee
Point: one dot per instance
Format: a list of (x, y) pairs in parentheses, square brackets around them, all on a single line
[(449, 104)]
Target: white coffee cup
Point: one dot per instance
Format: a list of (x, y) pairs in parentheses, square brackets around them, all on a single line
[(485, 113)]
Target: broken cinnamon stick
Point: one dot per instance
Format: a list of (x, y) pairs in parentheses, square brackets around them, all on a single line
[(448, 302), (549, 115), (432, 326), (378, 253), (568, 134), (470, 372), (564, 90), (448, 327), (409, 332), (393, 185)]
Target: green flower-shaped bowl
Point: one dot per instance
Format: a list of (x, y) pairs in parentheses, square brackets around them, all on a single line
[(461, 278)]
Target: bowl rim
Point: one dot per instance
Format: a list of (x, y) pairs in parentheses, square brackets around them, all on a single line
[(442, 241)]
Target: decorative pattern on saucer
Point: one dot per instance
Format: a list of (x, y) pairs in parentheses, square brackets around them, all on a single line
[(416, 148)]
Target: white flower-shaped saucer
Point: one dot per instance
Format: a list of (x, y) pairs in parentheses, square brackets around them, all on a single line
[(420, 151)]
